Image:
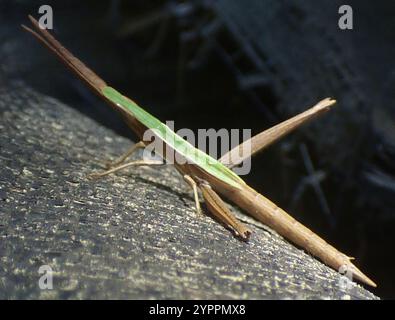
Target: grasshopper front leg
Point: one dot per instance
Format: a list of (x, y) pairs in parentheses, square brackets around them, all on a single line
[(119, 163), (127, 154), (96, 175)]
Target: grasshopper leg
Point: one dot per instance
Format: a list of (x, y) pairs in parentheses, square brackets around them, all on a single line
[(127, 154), (219, 209), (193, 184), (96, 175)]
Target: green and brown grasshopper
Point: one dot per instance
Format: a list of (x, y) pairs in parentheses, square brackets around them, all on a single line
[(212, 177)]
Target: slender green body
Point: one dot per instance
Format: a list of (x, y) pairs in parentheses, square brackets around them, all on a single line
[(183, 147)]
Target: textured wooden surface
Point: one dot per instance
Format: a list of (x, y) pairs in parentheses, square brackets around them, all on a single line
[(130, 235)]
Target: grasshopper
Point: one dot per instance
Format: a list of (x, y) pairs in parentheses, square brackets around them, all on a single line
[(202, 172)]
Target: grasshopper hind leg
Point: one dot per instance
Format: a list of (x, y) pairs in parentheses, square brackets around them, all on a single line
[(220, 211)]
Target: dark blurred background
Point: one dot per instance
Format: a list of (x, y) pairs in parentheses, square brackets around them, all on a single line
[(247, 64)]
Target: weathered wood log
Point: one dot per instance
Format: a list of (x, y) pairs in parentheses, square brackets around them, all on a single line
[(131, 235)]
